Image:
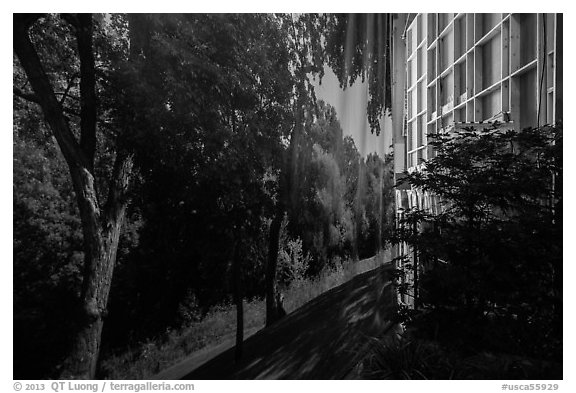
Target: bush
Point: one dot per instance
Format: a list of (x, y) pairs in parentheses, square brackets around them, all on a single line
[(292, 263), (492, 258)]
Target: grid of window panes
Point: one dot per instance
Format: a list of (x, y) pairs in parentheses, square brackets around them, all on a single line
[(417, 71), (466, 68)]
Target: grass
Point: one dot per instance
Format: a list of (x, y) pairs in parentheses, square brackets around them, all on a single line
[(219, 325), (151, 357), (303, 290)]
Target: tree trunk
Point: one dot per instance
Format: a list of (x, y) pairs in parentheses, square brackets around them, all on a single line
[(101, 236), (358, 210), (100, 227), (237, 288), (83, 358), (273, 248), (286, 198)]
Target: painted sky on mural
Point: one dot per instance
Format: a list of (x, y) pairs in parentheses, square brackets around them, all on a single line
[(350, 106)]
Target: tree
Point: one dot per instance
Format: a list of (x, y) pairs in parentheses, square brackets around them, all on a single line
[(203, 118), (354, 46), (306, 57), (379, 201), (492, 258), (215, 119), (47, 248), (101, 223), (334, 217), (357, 46), (321, 215)]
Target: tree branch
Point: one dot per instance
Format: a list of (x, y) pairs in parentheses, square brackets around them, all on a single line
[(31, 97), (70, 84), (43, 90), (27, 96), (87, 85)]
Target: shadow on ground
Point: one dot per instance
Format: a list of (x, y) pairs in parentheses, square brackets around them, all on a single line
[(321, 340)]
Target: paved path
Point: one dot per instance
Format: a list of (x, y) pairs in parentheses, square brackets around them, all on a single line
[(200, 357), (323, 339)]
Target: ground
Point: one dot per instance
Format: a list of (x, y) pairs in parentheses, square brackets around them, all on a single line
[(324, 339)]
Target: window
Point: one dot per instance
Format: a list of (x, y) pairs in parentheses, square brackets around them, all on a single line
[(491, 63)]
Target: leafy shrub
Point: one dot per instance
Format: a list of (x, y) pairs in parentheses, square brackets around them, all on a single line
[(492, 259), (292, 263)]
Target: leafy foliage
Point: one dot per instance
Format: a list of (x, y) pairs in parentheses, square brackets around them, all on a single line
[(207, 105), (48, 245), (293, 264), (337, 208), (48, 255), (358, 47), (207, 148), (492, 258)]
